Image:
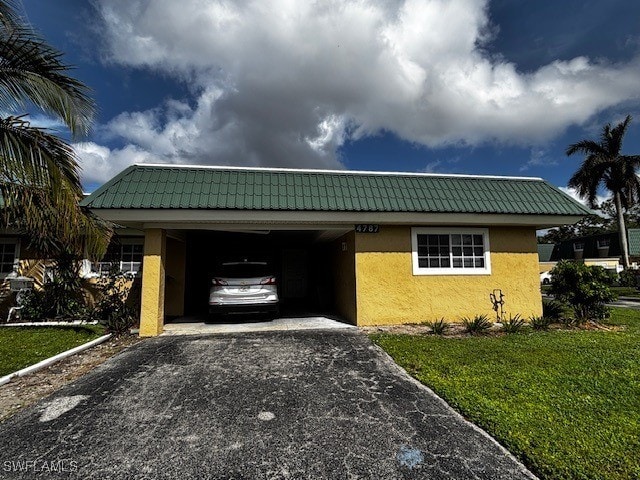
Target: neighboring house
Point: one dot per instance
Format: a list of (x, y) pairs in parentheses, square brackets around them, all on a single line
[(602, 249), (373, 248)]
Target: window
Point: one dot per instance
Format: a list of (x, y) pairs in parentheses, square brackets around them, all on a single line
[(450, 251), (8, 256), (604, 242), (578, 246), (127, 254)]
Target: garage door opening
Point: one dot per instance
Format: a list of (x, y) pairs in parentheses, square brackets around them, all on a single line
[(303, 262)]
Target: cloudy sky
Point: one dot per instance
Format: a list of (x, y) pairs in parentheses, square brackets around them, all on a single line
[(448, 86)]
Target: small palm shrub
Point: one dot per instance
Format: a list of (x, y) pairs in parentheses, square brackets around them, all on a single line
[(437, 327), (476, 325), (540, 322), (513, 324), (553, 310)]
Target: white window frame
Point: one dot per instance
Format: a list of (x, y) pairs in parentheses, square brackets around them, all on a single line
[(417, 270), (576, 249), (102, 266), (607, 240), (16, 258)]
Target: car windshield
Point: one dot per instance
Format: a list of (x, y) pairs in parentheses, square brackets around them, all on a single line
[(244, 270)]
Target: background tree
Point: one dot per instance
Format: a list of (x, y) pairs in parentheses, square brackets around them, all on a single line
[(39, 173), (605, 166)]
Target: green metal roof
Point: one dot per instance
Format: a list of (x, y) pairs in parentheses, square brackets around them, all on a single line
[(633, 234), (545, 250), (195, 187)]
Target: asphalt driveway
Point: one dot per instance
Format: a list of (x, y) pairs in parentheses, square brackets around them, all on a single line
[(308, 404)]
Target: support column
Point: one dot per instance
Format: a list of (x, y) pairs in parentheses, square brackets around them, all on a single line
[(153, 266)]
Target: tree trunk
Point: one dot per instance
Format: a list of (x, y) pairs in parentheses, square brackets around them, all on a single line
[(623, 231)]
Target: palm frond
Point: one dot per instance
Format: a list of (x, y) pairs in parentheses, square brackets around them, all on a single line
[(9, 17), (31, 156), (33, 71), (586, 147)]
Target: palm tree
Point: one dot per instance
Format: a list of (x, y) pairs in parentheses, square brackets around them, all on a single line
[(605, 166), (39, 173)]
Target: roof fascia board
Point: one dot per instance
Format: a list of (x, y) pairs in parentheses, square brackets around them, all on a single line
[(183, 217)]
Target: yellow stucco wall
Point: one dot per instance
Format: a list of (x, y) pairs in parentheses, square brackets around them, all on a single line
[(344, 277), (153, 272), (389, 293)]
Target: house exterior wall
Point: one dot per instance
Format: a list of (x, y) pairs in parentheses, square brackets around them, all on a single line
[(344, 277), (388, 293)]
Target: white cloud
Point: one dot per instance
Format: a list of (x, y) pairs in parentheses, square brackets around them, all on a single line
[(539, 157), (99, 163), (285, 83), (574, 194)]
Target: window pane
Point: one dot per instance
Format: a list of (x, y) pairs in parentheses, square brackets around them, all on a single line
[(423, 262), (477, 240), (468, 263), (422, 251), (444, 239), (444, 251), (434, 263), (478, 251), (466, 240), (433, 240), (479, 262), (456, 239), (445, 262), (457, 262), (467, 251), (137, 248), (457, 251), (433, 250)]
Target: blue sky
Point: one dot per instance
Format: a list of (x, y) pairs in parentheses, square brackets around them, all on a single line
[(466, 86)]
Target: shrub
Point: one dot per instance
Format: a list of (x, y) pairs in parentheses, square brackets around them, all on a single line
[(584, 288), (60, 298), (628, 278), (540, 323), (111, 309), (438, 327), (476, 325), (553, 310), (513, 324)]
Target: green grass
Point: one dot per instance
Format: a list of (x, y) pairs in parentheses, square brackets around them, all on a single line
[(626, 291), (567, 403), (24, 346)]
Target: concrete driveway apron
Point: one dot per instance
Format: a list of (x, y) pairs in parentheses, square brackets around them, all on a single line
[(307, 404)]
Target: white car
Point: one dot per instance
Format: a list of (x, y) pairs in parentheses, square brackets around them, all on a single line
[(243, 287), (545, 278)]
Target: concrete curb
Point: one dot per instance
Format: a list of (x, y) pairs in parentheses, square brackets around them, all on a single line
[(51, 360), (47, 324)]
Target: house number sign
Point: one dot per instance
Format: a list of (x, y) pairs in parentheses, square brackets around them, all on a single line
[(367, 228)]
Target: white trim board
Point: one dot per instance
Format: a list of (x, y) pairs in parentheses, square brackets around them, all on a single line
[(205, 219)]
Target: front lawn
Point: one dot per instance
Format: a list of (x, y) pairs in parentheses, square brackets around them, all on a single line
[(567, 403), (24, 346)]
